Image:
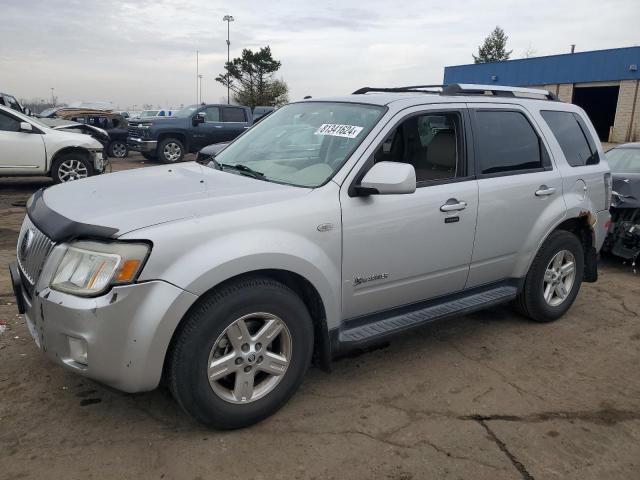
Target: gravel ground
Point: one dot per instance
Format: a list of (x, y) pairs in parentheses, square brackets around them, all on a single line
[(485, 396)]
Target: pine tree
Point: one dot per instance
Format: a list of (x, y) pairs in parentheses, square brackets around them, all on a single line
[(494, 48)]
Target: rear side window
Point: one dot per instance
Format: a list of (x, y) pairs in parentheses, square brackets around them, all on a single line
[(573, 137), (507, 142), (233, 115)]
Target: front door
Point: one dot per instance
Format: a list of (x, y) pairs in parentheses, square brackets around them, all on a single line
[(21, 152), (211, 131), (401, 249)]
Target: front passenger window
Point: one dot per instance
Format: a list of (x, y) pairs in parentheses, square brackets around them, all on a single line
[(8, 124), (431, 143), (212, 114)]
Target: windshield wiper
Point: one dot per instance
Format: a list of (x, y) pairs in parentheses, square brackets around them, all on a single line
[(243, 169)]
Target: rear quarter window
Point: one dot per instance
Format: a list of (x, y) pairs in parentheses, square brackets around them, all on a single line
[(573, 136)]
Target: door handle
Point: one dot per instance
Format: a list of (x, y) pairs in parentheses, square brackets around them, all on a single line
[(544, 191), (217, 126), (453, 205)]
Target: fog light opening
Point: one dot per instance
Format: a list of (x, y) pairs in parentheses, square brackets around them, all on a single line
[(78, 350)]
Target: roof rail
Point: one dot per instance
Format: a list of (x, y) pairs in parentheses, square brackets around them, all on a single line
[(496, 90), (413, 88)]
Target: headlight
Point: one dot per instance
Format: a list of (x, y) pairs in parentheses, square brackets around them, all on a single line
[(90, 268)]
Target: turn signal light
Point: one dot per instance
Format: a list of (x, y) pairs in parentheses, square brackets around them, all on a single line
[(128, 271)]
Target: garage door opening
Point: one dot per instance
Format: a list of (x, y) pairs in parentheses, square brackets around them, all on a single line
[(600, 104)]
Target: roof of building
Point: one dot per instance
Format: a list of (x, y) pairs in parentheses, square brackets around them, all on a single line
[(594, 66)]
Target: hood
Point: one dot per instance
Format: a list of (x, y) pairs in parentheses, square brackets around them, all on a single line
[(627, 185), (129, 200)]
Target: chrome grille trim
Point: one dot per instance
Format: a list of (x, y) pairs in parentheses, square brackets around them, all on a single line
[(134, 132), (32, 259)]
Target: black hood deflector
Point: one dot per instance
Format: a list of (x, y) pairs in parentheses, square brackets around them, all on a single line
[(60, 228)]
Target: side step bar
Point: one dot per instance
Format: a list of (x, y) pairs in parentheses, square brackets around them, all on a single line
[(405, 318)]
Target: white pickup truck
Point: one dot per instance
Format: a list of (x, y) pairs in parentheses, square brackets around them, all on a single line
[(29, 147)]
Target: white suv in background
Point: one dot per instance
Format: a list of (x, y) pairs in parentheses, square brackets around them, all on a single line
[(29, 147)]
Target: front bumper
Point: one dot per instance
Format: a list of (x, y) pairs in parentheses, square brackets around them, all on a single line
[(126, 333), (140, 145)]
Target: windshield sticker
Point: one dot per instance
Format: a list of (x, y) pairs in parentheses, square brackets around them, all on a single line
[(336, 130)]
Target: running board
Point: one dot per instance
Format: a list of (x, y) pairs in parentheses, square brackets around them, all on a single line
[(398, 320)]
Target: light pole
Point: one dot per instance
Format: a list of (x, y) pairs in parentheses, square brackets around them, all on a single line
[(228, 19), (200, 80), (53, 102), (197, 77)]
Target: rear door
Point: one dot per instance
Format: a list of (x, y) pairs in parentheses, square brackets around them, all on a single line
[(520, 192)]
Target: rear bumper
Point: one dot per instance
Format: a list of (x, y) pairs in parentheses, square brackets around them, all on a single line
[(600, 228), (139, 145)]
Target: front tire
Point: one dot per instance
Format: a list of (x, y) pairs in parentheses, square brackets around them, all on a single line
[(71, 166), (118, 149), (241, 353), (170, 150), (554, 279)]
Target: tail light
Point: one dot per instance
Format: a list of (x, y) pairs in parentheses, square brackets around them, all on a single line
[(607, 189)]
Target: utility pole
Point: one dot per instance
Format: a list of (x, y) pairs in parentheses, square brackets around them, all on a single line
[(197, 77), (228, 19)]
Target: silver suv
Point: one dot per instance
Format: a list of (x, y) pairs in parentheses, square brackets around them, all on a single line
[(331, 225)]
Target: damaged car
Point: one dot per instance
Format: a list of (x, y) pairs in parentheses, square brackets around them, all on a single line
[(623, 238)]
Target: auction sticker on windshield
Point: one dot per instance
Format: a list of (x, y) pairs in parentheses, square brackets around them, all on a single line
[(336, 130)]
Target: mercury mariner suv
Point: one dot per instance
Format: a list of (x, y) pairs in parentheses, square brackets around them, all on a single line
[(331, 225)]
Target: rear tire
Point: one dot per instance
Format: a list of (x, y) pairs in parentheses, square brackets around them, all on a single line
[(250, 385), (170, 150), (554, 278)]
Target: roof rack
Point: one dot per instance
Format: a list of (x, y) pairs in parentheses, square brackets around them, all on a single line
[(496, 90), (465, 89), (413, 88)]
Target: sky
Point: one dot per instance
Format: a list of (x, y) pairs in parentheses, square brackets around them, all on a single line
[(144, 51)]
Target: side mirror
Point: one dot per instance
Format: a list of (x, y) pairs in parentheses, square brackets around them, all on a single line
[(199, 118), (388, 178), (26, 127), (27, 111)]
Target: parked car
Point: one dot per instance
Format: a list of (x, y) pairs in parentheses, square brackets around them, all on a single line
[(332, 225), (11, 102), (29, 147), (155, 113), (113, 123), (188, 130), (623, 239)]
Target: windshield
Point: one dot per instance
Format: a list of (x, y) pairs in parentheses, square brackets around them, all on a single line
[(303, 144), (149, 113), (185, 112), (624, 160)]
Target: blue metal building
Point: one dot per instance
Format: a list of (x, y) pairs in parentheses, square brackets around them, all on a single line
[(603, 82)]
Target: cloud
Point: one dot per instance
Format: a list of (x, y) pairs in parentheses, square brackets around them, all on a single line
[(143, 51)]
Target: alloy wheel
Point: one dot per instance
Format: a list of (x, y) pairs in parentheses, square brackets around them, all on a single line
[(250, 358), (72, 170), (119, 150), (172, 152), (559, 278)]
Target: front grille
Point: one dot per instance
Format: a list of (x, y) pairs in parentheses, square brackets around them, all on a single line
[(33, 249), (134, 132)]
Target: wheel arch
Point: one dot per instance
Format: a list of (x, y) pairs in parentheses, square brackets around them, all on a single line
[(301, 286), (71, 149), (580, 224), (177, 135)]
